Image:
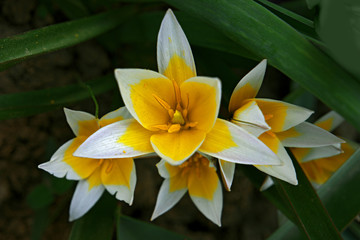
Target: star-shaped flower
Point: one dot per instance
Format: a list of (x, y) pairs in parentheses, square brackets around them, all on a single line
[(116, 175), (277, 124), (175, 112), (196, 175)]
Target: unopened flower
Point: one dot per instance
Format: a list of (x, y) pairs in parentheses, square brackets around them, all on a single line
[(196, 175), (175, 112), (116, 175), (277, 124)]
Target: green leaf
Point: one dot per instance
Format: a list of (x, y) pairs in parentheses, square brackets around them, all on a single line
[(20, 47), (34, 102), (302, 24), (267, 36), (312, 217), (339, 28), (132, 229), (339, 195), (98, 223)]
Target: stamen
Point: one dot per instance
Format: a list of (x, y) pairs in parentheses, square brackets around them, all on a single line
[(177, 94), (268, 116), (174, 128), (164, 127), (162, 102)]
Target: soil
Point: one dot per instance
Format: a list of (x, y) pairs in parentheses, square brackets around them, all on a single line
[(27, 142)]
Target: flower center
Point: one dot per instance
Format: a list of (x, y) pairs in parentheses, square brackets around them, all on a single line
[(196, 162), (178, 115)]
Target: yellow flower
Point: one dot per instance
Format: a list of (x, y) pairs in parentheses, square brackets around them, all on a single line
[(277, 124), (116, 175), (175, 112), (320, 163), (196, 175)]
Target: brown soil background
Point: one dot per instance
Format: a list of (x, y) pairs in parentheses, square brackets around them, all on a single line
[(27, 142)]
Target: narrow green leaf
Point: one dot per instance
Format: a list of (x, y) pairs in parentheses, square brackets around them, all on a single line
[(267, 36), (339, 195), (300, 23), (98, 223), (312, 217), (132, 229), (34, 102), (20, 47)]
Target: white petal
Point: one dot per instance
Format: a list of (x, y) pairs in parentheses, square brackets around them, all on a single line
[(211, 208), (307, 135), (162, 169), (268, 182), (57, 167), (227, 170), (233, 144), (120, 112), (248, 86), (171, 41), (250, 117), (316, 153), (73, 118), (285, 172), (105, 142), (333, 118), (166, 199), (84, 199)]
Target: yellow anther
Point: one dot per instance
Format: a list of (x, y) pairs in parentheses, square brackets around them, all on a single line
[(178, 118), (164, 127), (268, 116), (177, 94), (174, 128), (162, 102)]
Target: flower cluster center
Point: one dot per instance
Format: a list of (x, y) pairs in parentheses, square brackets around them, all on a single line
[(178, 115), (195, 163)]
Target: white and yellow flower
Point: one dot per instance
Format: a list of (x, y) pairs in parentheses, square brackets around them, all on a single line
[(320, 163), (175, 112), (196, 175), (116, 175), (275, 123)]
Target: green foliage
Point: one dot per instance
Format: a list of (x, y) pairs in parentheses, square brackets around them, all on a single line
[(20, 47), (128, 228)]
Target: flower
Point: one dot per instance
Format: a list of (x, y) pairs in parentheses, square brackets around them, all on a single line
[(196, 175), (116, 175), (175, 112), (277, 124), (320, 163)]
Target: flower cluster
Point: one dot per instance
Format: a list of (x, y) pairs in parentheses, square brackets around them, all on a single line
[(174, 114)]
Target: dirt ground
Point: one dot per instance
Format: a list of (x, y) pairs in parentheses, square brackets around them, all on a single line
[(27, 142)]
